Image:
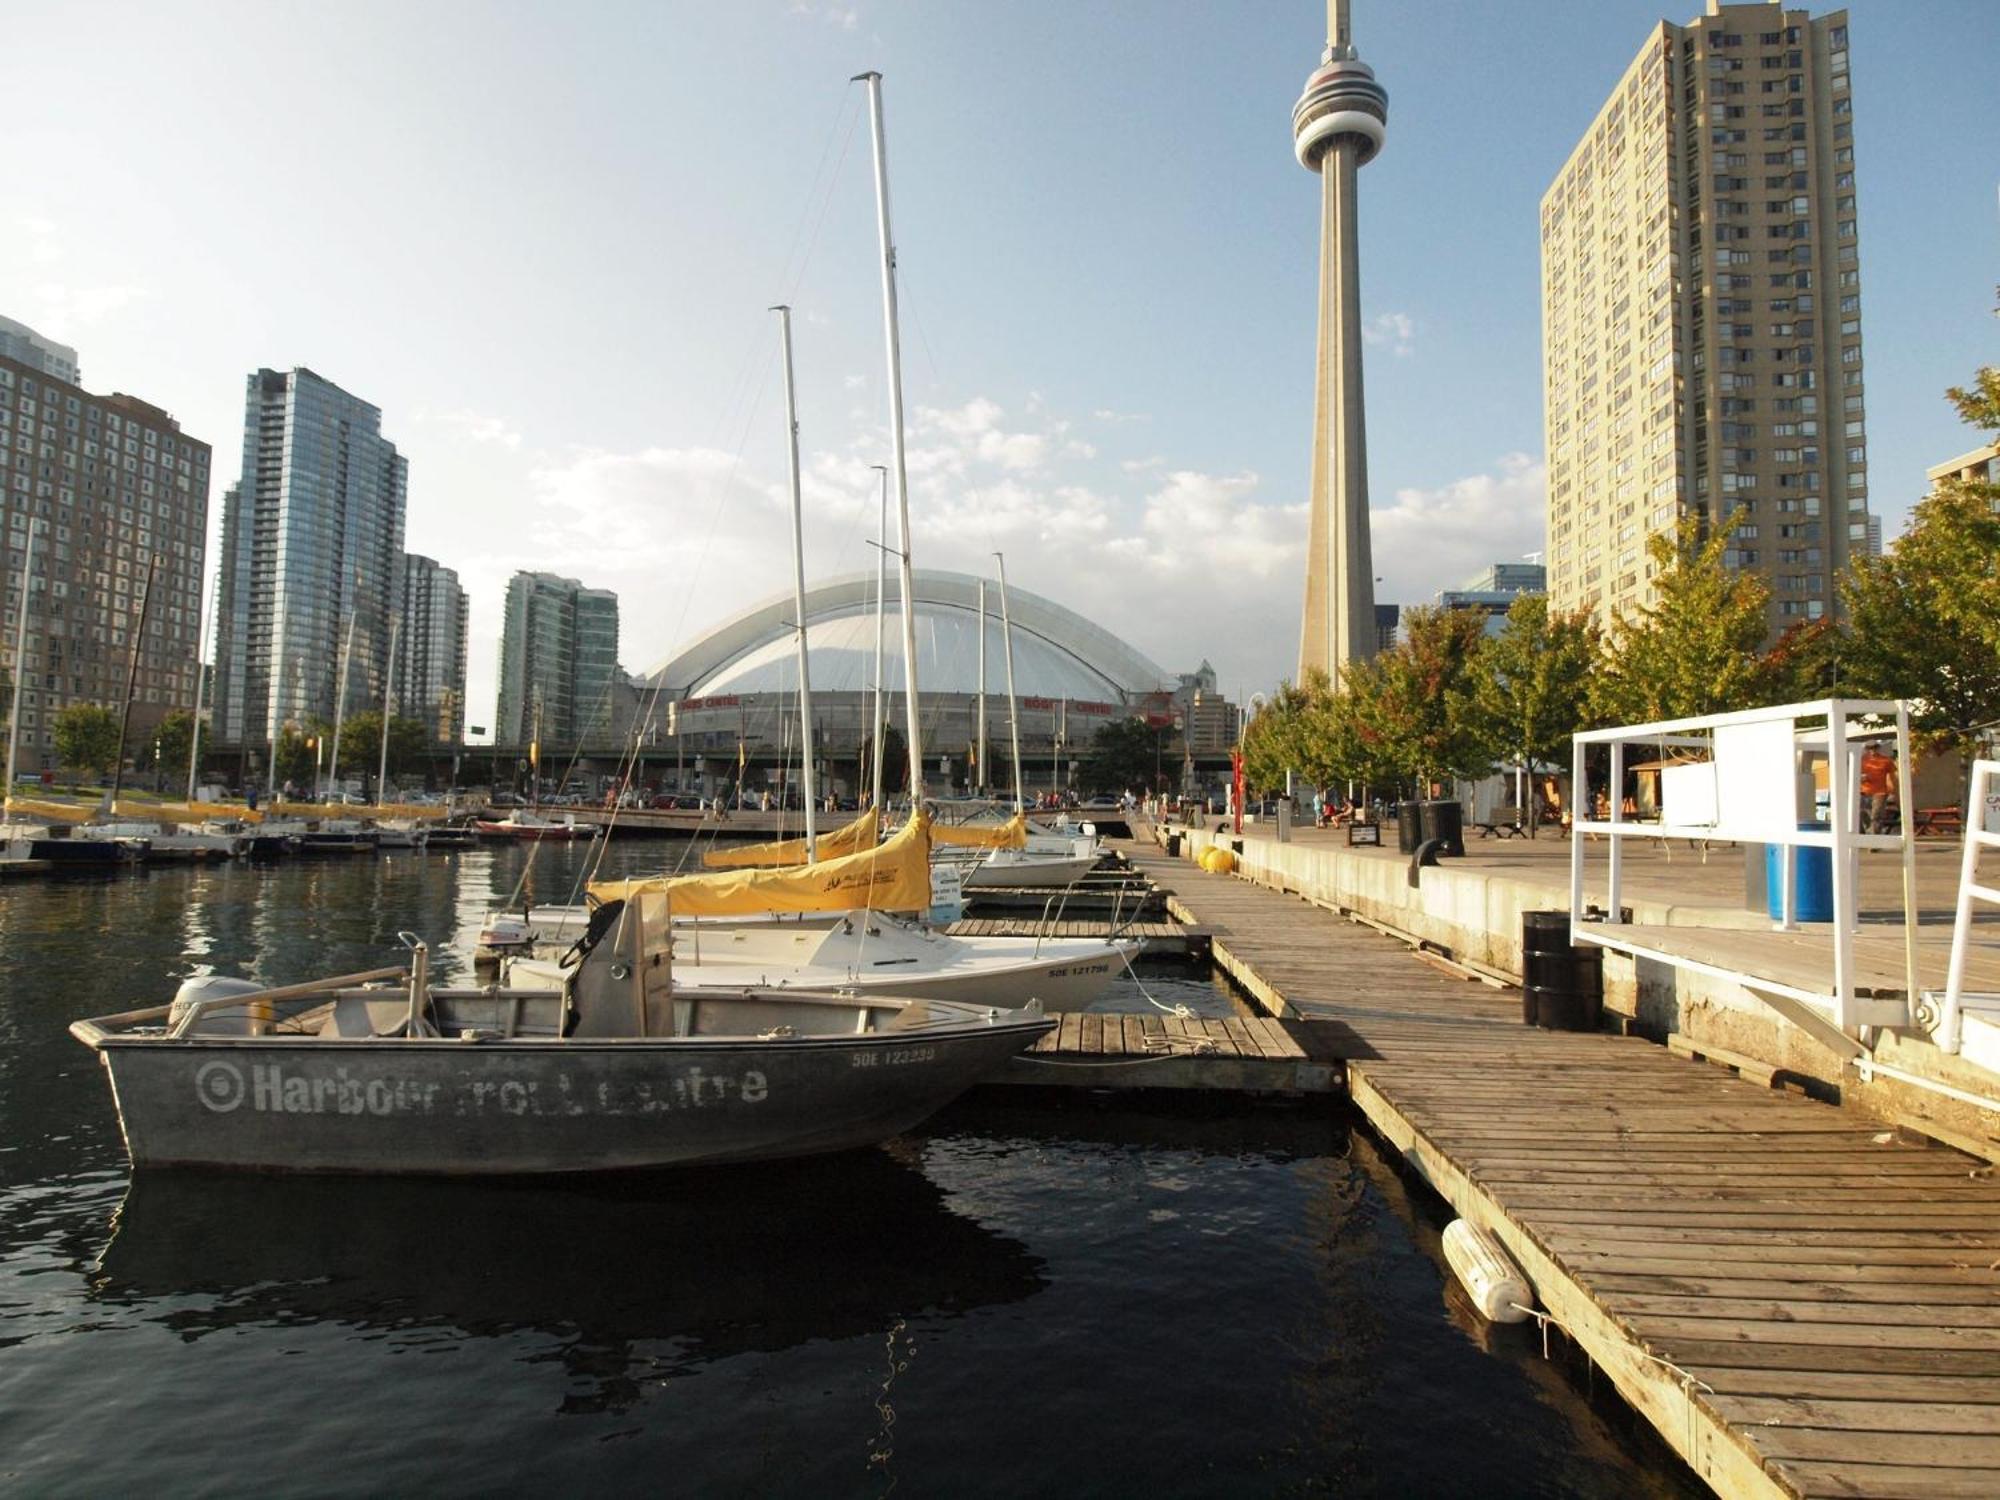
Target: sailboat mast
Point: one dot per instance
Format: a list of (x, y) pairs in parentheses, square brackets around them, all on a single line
[(913, 730), (1013, 703), (20, 665), (388, 707), (194, 727), (340, 690), (979, 780), (799, 577), (881, 610), (132, 679)]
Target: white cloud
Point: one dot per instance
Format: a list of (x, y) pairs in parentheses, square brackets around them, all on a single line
[(970, 434), (65, 310), (474, 427), (1106, 414), (1431, 539), (846, 17), (1393, 330)]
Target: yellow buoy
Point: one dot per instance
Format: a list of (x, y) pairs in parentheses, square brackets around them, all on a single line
[(1218, 861)]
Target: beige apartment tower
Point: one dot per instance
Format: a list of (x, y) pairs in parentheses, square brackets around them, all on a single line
[(1701, 314)]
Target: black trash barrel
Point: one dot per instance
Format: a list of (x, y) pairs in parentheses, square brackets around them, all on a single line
[(1444, 820), (1562, 985), (1174, 852), (1409, 827)]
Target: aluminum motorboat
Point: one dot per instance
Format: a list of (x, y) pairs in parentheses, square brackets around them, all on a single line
[(615, 1068)]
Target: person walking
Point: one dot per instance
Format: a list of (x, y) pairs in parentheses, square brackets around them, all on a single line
[(1878, 788)]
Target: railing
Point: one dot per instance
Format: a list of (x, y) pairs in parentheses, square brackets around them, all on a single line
[(1757, 764), (1981, 802)]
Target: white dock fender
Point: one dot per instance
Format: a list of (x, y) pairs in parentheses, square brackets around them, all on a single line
[(1487, 1272)]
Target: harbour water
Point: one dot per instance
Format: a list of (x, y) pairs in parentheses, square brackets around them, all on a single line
[(1026, 1296)]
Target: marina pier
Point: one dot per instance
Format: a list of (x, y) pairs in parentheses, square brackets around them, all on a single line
[(1799, 1300)]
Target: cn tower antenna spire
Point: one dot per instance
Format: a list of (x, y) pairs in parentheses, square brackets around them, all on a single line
[(1338, 127)]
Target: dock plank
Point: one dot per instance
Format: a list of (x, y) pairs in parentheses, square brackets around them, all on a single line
[(1798, 1305)]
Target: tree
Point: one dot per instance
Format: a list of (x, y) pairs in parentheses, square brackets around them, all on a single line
[(1697, 650), (1121, 756), (87, 738), (168, 749), (1925, 618), (361, 744), (895, 762), (1531, 693), (1410, 709)]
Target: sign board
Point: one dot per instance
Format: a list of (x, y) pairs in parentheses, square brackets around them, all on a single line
[(1756, 781)]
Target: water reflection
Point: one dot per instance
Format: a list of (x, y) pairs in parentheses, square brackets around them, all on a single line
[(636, 1280)]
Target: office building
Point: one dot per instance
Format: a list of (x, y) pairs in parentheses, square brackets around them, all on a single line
[(430, 652), (558, 662), (1494, 588), (1701, 314), (1388, 626), (312, 559), (117, 496), (23, 345)]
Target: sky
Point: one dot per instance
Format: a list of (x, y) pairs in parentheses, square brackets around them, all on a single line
[(543, 239)]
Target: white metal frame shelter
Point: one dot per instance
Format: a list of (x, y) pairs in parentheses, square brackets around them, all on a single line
[(1982, 831), (1757, 790)]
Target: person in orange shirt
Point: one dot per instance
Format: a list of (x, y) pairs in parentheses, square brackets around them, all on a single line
[(1878, 789)]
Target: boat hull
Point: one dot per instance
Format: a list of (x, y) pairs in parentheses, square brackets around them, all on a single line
[(1036, 874), (534, 1105)]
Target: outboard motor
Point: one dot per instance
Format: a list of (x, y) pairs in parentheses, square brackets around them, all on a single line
[(223, 1020)]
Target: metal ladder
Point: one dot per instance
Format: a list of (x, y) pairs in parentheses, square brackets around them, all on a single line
[(1983, 797)]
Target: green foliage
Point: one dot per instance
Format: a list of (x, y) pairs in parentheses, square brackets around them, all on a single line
[(1532, 691), (296, 754), (1925, 619), (87, 738), (1697, 650), (361, 744), (1123, 756), (896, 763), (1412, 707), (168, 748)]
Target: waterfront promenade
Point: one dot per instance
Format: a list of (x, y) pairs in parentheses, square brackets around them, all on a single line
[(1800, 1302)]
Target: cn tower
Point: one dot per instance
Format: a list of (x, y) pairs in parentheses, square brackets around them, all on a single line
[(1337, 128)]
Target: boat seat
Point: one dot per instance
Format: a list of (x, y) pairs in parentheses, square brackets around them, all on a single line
[(355, 1016)]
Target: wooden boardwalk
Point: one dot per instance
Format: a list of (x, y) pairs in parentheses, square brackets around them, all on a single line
[(1801, 1305), (1157, 1051)]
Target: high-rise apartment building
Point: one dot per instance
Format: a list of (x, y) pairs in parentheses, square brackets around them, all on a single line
[(312, 559), (1701, 314), (430, 655), (558, 662), (117, 496), (21, 343)]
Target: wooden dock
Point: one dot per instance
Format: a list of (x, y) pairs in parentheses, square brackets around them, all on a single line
[(1802, 1304), (1254, 1054), (1154, 938)]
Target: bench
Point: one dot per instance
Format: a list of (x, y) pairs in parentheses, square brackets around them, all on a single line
[(1939, 820), (1506, 824)]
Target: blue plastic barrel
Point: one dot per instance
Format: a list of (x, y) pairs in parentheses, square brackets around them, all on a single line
[(1812, 880)]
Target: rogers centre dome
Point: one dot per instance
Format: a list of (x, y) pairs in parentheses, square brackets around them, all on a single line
[(1057, 654), (738, 685)]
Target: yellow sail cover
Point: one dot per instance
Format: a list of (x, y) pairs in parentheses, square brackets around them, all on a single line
[(856, 836), (1012, 834), (895, 876), (49, 812)]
